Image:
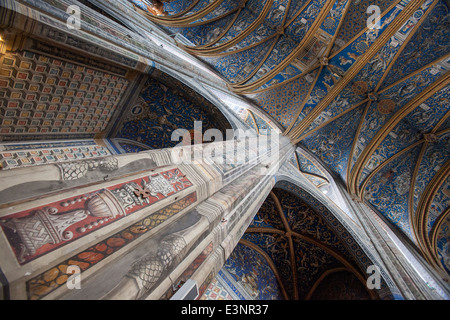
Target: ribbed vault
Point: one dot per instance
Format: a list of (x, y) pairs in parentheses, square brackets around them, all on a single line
[(300, 247), (371, 103)]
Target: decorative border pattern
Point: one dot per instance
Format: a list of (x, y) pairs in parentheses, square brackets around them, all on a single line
[(45, 283), (40, 230)]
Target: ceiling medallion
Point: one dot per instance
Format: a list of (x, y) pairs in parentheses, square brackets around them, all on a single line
[(430, 137), (323, 61), (280, 30), (386, 106), (360, 87)]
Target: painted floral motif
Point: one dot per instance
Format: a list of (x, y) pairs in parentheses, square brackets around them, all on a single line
[(311, 261), (443, 244), (332, 144), (430, 38)]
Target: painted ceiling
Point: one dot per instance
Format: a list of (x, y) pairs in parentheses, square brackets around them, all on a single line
[(296, 243), (42, 97), (163, 106), (370, 101), (305, 165)]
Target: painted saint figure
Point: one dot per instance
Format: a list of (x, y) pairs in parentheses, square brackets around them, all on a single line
[(156, 7)]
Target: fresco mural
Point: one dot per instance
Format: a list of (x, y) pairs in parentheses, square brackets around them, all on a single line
[(252, 52), (349, 95), (45, 98), (25, 154), (442, 245), (284, 255), (38, 231), (340, 286), (249, 271), (165, 105)]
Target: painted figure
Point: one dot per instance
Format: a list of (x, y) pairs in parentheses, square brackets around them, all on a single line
[(156, 7)]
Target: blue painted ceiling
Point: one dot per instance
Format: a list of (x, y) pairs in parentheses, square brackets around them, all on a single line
[(301, 242), (163, 106), (375, 111)]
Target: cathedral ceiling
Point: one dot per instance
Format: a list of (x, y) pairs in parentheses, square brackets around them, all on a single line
[(301, 243), (163, 106), (371, 103)]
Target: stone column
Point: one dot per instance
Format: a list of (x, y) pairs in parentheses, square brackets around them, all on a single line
[(131, 226), (409, 283)]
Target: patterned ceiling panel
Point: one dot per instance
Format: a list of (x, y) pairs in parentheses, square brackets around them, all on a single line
[(247, 16), (205, 33), (298, 27), (389, 190), (332, 144), (344, 59), (432, 38), (198, 7), (239, 66), (48, 98), (303, 219), (307, 164), (311, 262), (267, 216), (178, 6), (224, 7), (283, 103), (294, 8), (436, 155), (442, 243), (346, 101), (261, 34), (446, 124), (353, 24), (440, 203), (377, 116), (361, 99), (373, 108), (277, 248), (366, 81), (286, 23), (411, 129), (295, 31)]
